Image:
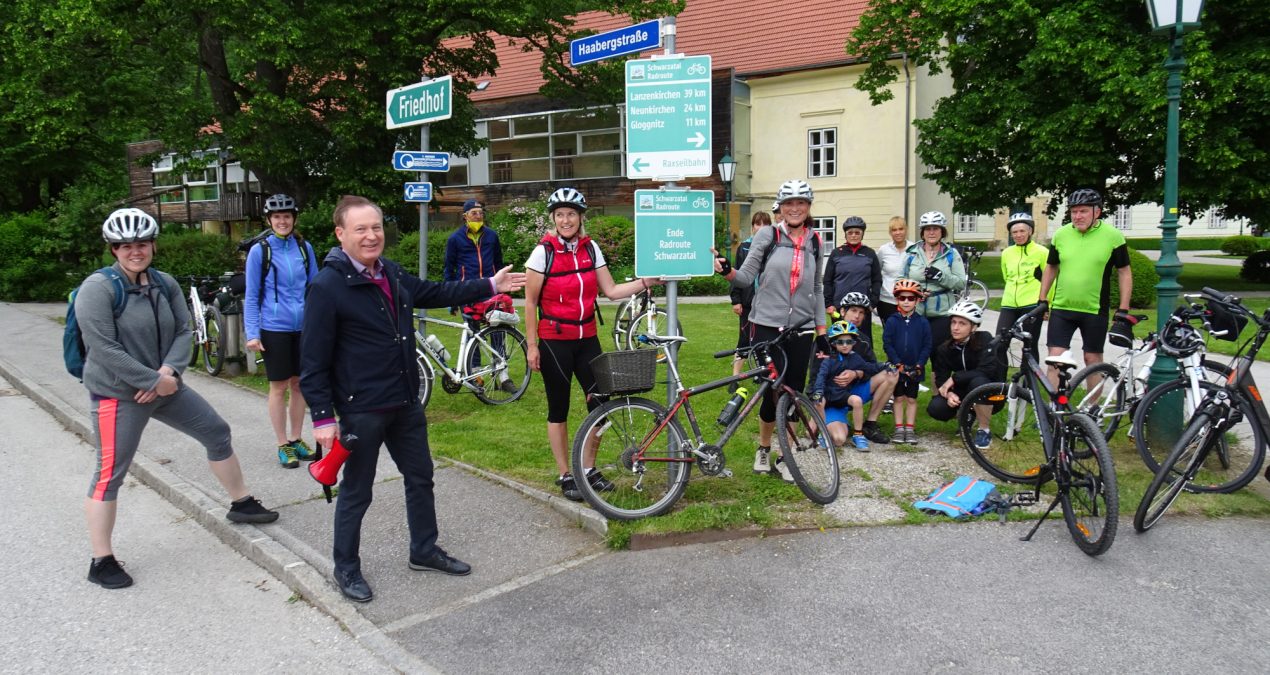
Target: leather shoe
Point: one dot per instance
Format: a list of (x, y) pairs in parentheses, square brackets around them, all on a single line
[(354, 586), (441, 562)]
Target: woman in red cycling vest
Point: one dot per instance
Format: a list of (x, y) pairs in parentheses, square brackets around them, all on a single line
[(564, 276)]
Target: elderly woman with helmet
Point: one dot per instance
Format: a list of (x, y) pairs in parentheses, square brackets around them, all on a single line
[(853, 268), (136, 330), (279, 269), (789, 297), (1022, 264), (962, 362), (939, 268), (564, 276)]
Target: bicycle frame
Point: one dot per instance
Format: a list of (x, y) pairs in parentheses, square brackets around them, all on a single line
[(467, 342), (199, 314)]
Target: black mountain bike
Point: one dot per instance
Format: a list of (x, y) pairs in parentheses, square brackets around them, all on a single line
[(1056, 444), (1226, 437)]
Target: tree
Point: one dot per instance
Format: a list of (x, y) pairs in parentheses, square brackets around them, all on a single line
[(1049, 95)]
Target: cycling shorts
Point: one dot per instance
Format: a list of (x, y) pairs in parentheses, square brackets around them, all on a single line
[(1065, 322), (282, 355)]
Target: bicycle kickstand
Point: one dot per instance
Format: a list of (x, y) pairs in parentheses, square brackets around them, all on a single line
[(1037, 526)]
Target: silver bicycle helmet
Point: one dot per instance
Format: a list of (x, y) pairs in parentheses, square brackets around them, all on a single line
[(854, 299), (566, 196), (129, 225), (932, 219), (279, 203), (1020, 217), (794, 189)]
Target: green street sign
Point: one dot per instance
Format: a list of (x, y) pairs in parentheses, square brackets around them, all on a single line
[(674, 232), (421, 103), (668, 117)]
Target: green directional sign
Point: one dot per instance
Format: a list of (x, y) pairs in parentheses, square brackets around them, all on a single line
[(668, 117), (674, 232), (421, 103)]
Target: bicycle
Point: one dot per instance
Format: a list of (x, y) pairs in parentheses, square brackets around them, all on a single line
[(1075, 453), (1217, 430), (645, 455), (497, 343), (1123, 385), (207, 324), (975, 291), (638, 315)]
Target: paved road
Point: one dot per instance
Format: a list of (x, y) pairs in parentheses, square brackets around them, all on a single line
[(546, 597)]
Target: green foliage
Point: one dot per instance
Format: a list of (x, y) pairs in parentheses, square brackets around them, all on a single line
[(1144, 280), (193, 253), (1241, 245), (520, 225), (711, 285), (27, 269), (615, 236), (1256, 268), (406, 252), (1187, 244), (1049, 95)]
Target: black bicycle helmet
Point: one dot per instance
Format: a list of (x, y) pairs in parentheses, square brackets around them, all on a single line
[(854, 222), (1084, 197), (1180, 340)]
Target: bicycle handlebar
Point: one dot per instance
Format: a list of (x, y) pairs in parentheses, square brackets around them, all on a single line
[(784, 335)]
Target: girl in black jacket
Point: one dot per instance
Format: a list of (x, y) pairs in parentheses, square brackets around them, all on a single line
[(962, 363)]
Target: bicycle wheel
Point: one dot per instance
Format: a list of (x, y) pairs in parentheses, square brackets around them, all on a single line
[(427, 378), (648, 323), (1177, 469), (1087, 490), (505, 350), (634, 485), (1015, 452), (1161, 419), (807, 448), (195, 337), (214, 342), (1103, 402), (976, 292), (622, 322)]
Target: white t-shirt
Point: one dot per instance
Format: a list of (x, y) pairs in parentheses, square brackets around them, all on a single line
[(538, 259), (892, 261)]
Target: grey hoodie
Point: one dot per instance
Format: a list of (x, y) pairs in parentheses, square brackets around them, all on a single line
[(774, 306), (124, 355)]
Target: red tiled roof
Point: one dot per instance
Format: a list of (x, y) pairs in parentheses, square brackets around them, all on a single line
[(747, 35)]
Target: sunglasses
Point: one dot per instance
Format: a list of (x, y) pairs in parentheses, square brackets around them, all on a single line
[(844, 341), (906, 298)]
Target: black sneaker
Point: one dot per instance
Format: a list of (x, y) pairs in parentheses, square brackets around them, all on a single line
[(875, 434), (440, 561), (249, 510), (598, 482), (108, 573), (569, 488)]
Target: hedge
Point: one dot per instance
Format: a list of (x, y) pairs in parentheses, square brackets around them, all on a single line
[(1187, 244), (1243, 245), (1144, 280)]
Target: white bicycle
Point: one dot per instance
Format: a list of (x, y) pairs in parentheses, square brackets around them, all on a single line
[(492, 363), (206, 323)]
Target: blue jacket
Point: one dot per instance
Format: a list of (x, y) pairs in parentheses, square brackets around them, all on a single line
[(465, 260), (835, 364), (281, 308), (355, 355), (907, 340)]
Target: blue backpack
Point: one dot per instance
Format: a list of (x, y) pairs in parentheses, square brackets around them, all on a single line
[(74, 351), (963, 496)]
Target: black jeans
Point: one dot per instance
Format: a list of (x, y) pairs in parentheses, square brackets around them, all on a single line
[(405, 433)]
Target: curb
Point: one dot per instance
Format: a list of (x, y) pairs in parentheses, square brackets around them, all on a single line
[(583, 516), (250, 541)]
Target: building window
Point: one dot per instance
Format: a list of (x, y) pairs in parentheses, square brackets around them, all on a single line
[(822, 152), (967, 223), (562, 145), (1216, 221), (203, 184), (1122, 220)]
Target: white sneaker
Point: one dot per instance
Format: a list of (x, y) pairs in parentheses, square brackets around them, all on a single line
[(761, 462), (778, 467)]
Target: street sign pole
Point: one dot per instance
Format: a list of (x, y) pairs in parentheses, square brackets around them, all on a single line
[(672, 285)]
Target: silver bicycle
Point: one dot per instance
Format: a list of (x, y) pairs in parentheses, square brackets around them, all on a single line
[(207, 325), (492, 363)]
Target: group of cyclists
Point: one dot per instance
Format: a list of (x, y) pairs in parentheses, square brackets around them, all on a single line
[(135, 358)]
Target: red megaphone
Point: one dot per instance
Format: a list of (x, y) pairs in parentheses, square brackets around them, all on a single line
[(326, 471)]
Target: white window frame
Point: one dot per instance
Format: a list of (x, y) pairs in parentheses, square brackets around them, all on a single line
[(1123, 218), (1216, 221), (967, 223), (558, 162), (822, 152)]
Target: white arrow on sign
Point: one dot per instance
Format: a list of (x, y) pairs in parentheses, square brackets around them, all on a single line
[(698, 139)]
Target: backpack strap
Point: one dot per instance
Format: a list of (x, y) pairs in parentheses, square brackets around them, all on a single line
[(550, 252), (266, 262), (116, 282)]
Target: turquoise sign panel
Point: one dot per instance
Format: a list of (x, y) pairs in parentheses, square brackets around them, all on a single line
[(668, 112), (674, 232)]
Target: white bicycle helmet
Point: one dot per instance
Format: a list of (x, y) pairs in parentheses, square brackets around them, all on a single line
[(968, 311), (794, 189), (279, 203), (854, 299), (566, 196), (932, 219), (129, 225), (1020, 217)]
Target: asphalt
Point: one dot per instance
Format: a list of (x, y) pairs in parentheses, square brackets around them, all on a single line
[(546, 596)]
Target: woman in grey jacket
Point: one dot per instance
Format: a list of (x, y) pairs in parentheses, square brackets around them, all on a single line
[(789, 296), (132, 370)]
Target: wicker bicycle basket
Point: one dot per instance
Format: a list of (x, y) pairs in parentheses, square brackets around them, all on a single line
[(625, 372)]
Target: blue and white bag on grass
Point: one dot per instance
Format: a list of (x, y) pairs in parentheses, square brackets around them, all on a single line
[(963, 496)]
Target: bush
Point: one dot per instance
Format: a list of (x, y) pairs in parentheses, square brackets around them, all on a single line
[(1257, 268), (701, 286), (29, 269), (1187, 244), (406, 251), (520, 226), (192, 253), (1241, 245), (1144, 280), (616, 238)]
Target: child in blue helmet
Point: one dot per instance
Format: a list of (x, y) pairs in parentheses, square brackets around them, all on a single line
[(847, 381)]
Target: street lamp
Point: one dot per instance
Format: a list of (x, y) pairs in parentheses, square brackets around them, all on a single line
[(727, 171), (1172, 18)]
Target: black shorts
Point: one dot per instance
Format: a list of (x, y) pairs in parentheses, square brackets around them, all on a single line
[(282, 355), (906, 386), (1063, 325)]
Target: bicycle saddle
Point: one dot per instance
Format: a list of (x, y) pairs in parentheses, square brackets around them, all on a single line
[(1062, 361)]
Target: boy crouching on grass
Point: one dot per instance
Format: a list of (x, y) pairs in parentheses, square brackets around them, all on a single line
[(847, 381)]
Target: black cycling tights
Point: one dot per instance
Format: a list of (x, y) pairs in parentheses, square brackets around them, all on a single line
[(561, 361)]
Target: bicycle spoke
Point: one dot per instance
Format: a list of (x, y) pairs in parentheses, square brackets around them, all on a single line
[(635, 485), (807, 449), (1087, 489)]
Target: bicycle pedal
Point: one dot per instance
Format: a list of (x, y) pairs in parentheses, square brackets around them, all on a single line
[(1022, 498), (726, 473)]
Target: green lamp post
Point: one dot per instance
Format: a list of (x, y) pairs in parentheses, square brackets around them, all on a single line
[(1171, 18), (727, 171)]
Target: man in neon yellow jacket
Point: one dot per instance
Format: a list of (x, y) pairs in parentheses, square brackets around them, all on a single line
[(1022, 265)]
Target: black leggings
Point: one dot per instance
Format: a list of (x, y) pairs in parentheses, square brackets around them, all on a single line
[(561, 361), (938, 407), (1009, 315), (792, 359)]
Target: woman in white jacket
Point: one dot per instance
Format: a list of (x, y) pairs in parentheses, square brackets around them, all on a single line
[(891, 256)]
